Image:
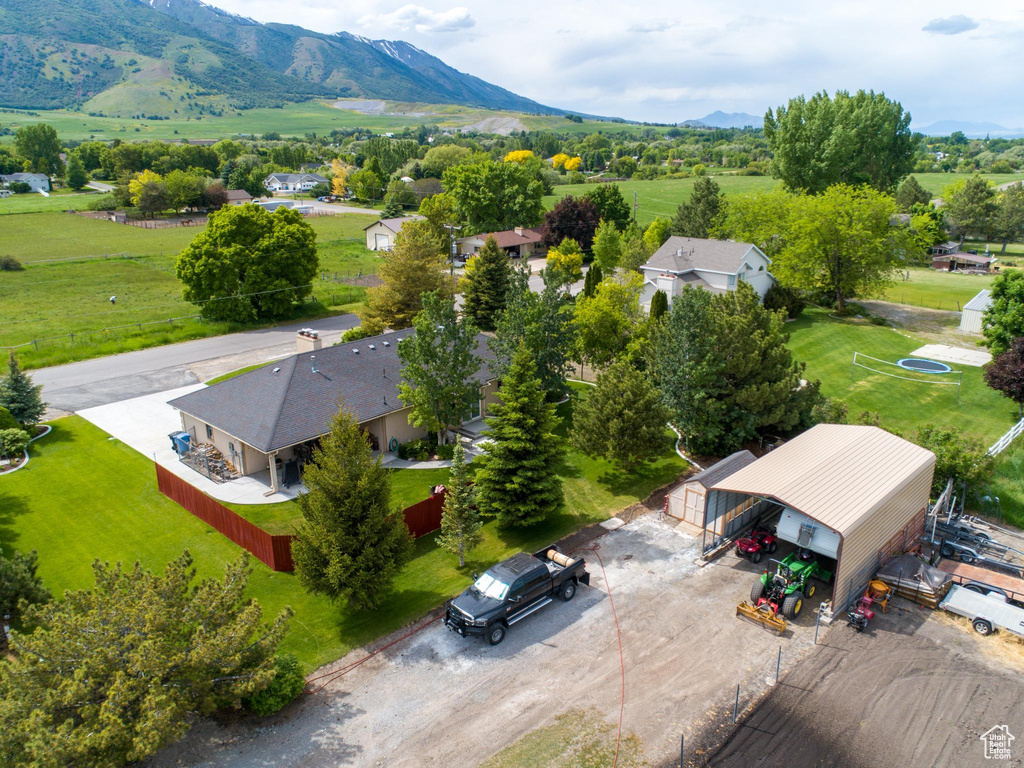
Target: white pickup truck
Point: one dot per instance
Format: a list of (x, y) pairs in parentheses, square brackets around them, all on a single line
[(987, 612)]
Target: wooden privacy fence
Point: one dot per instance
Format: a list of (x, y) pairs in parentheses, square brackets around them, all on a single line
[(275, 551)]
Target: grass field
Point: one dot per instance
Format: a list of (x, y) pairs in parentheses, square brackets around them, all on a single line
[(827, 345), (33, 203), (661, 197), (86, 496), (291, 120), (1008, 482), (49, 299), (937, 290)]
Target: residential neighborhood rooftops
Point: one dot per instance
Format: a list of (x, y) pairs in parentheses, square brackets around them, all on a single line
[(394, 224), (509, 238), (234, 195), (292, 401), (836, 473), (294, 178), (682, 254), (9, 177)]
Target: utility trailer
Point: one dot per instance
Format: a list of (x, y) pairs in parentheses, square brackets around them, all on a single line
[(986, 612)]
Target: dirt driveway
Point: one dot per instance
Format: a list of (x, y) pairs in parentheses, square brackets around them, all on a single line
[(439, 699), (913, 690)]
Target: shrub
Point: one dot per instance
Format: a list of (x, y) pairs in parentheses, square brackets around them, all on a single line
[(417, 450), (103, 203), (7, 421), (355, 334), (446, 452), (13, 442), (789, 300), (876, 320), (287, 684), (10, 264), (20, 188)]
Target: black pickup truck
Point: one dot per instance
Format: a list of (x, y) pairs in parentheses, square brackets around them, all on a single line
[(512, 590)]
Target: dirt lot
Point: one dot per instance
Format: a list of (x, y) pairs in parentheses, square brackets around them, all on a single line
[(439, 699), (935, 325), (912, 690)]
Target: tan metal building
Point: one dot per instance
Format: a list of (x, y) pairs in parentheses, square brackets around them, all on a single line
[(855, 493)]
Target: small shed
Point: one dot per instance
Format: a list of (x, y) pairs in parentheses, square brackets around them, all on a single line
[(973, 314), (687, 501), (855, 494), (380, 236)]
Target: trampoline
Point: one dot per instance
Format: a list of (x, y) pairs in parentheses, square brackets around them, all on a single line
[(923, 366)]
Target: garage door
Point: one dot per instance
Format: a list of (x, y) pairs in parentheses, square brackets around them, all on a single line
[(801, 530), (381, 243)]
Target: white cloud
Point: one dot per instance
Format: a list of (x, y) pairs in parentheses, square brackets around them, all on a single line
[(953, 25), (420, 19)]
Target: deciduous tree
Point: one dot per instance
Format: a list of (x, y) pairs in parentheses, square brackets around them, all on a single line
[(575, 218), (656, 234), (487, 286), (77, 177), (1008, 221), (698, 216), (111, 674), (40, 147), (352, 540), (565, 262), (969, 206), (249, 264), (517, 479), (911, 193), (493, 197), (959, 456), (411, 269), (460, 519), (339, 178), (761, 218), (621, 419), (607, 247), (1003, 321), (1006, 373), (610, 204), (439, 366), (605, 323)]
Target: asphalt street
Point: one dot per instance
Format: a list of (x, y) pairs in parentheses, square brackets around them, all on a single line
[(90, 383)]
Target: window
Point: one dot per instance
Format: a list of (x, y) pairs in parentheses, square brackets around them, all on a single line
[(209, 431), (732, 281), (488, 586)]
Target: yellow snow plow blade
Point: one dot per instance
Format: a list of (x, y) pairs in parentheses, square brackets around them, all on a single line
[(762, 615)]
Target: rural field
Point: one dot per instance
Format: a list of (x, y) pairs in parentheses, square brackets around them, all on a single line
[(52, 297), (936, 290), (86, 496), (660, 197)]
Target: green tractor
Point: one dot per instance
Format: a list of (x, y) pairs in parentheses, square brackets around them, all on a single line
[(784, 591)]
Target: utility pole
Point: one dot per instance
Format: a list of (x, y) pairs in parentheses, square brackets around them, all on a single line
[(636, 205), (452, 229)]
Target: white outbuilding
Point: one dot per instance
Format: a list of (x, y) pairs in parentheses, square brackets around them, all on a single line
[(973, 315)]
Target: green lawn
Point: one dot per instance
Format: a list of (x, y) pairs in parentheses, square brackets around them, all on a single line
[(1008, 482), (937, 290), (58, 298), (35, 203), (937, 182), (827, 345), (85, 495)]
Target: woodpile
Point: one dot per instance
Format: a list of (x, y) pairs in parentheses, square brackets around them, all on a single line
[(206, 458)]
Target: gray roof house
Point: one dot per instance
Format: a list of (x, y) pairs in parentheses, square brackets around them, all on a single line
[(277, 412), (39, 182), (293, 182), (715, 265)]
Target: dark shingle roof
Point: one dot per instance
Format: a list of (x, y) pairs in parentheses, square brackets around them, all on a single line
[(680, 254), (269, 410), (716, 473)]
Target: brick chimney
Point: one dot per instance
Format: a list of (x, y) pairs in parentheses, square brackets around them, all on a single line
[(308, 340)]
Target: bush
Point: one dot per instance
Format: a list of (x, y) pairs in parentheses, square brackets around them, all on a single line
[(575, 177), (446, 452), (789, 300), (7, 421), (103, 203), (20, 188), (13, 442), (10, 264), (417, 450), (355, 334), (876, 320), (287, 685)]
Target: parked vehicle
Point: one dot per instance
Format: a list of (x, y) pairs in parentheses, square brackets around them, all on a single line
[(512, 590), (778, 596), (758, 541), (987, 612), (987, 589)]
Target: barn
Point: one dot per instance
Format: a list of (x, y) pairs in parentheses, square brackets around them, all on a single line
[(855, 495)]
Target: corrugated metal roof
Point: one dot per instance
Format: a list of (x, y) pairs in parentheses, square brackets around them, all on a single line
[(716, 473), (835, 473), (982, 301)]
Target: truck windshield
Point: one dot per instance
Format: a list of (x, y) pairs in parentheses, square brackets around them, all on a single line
[(489, 586)]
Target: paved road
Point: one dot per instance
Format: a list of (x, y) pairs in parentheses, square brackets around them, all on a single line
[(104, 380), (99, 186)]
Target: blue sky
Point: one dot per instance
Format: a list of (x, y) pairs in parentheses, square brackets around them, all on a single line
[(669, 60)]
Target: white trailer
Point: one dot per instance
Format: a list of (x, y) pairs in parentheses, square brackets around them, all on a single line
[(986, 612)]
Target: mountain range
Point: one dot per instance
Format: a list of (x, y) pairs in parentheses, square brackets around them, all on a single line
[(183, 57), (971, 130), (720, 119)]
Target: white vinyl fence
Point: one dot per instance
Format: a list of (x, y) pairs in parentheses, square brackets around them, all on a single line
[(1004, 442)]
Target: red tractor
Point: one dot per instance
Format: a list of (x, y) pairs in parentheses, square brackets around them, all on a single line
[(758, 541)]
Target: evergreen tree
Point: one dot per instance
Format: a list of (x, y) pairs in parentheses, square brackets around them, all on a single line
[(77, 177), (911, 193), (352, 540), (438, 366), (19, 582), (20, 396), (701, 213), (621, 419), (487, 286), (460, 520), (111, 674), (607, 247), (659, 304), (591, 280), (517, 480)]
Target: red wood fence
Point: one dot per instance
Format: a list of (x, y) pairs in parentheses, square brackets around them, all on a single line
[(273, 550)]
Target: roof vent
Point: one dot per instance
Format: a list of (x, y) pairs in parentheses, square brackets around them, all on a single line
[(386, 343), (277, 370), (312, 363), (355, 351), (372, 346)]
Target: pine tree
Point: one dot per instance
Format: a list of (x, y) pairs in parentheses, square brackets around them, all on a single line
[(659, 304), (698, 216), (517, 480), (77, 178), (592, 279), (352, 539), (20, 396), (607, 247), (460, 520), (18, 582), (911, 193), (621, 419), (487, 287)]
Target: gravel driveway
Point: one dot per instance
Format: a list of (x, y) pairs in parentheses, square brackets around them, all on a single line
[(439, 699)]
